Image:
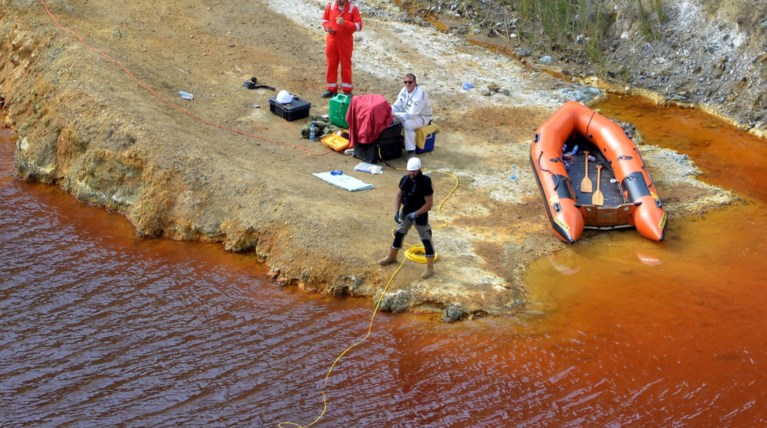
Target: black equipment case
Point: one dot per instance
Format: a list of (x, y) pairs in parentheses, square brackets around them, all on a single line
[(388, 146), (297, 109)]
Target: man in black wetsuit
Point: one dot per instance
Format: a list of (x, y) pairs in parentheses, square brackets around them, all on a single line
[(415, 197)]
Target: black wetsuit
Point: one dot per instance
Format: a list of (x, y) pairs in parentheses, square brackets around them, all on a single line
[(414, 193)]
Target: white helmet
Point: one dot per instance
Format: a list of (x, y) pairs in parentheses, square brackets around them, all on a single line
[(284, 97), (413, 164)]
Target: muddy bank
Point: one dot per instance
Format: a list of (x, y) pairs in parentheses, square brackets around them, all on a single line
[(95, 107)]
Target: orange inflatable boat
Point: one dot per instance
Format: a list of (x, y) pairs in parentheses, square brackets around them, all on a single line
[(591, 175)]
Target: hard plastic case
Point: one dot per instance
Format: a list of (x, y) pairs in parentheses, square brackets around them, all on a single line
[(296, 109)]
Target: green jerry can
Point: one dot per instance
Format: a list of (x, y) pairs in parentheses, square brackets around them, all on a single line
[(338, 107)]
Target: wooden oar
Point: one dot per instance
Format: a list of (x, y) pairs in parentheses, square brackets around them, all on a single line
[(598, 198), (586, 182)]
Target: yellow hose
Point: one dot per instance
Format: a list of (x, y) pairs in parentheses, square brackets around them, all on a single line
[(330, 370), (417, 253), (414, 253)]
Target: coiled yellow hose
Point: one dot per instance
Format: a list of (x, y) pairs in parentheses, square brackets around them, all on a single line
[(414, 253), (417, 254)]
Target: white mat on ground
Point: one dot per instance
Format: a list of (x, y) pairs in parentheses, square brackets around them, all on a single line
[(343, 181)]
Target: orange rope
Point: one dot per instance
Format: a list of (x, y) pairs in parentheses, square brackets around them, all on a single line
[(163, 100)]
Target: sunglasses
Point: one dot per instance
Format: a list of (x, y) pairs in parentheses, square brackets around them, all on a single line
[(407, 82)]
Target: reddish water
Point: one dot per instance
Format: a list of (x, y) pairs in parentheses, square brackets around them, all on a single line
[(101, 328), (728, 157)]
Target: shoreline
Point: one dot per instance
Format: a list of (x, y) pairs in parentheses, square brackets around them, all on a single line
[(88, 128)]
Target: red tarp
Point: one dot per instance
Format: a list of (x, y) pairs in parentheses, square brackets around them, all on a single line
[(368, 115)]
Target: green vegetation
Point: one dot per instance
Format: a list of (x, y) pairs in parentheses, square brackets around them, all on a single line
[(581, 25), (577, 28), (567, 25), (650, 18)]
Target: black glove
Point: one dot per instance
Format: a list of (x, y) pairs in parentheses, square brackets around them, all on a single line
[(412, 216), (396, 218)]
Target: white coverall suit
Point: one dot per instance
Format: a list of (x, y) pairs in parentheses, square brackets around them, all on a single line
[(413, 110)]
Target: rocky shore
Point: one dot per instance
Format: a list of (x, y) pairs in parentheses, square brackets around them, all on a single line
[(704, 53), (91, 90)]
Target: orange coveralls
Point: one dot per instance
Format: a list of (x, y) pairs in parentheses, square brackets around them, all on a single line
[(339, 45)]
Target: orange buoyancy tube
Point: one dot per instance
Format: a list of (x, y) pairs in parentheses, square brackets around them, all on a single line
[(648, 215), (553, 180)]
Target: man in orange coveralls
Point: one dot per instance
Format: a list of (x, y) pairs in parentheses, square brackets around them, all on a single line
[(340, 20)]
